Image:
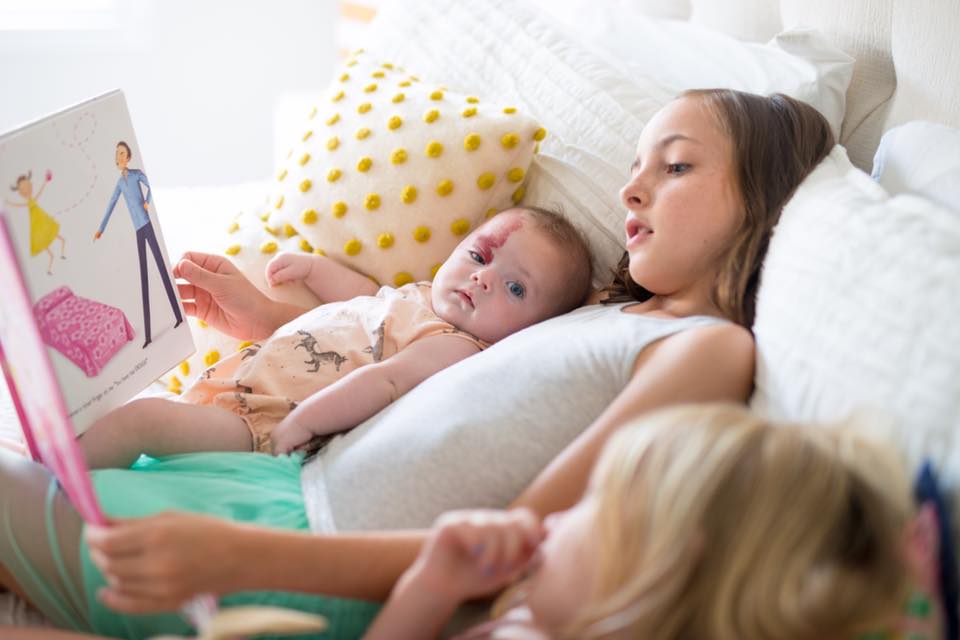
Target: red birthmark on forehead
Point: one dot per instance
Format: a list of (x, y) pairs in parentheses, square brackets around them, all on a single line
[(495, 234)]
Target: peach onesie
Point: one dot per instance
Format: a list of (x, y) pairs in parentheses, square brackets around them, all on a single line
[(263, 382)]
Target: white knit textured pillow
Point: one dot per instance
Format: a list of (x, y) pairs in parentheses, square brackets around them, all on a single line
[(389, 172)]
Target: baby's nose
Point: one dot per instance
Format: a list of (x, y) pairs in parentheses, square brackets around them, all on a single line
[(482, 278)]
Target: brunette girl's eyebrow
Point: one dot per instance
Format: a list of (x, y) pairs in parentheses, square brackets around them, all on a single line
[(663, 144)]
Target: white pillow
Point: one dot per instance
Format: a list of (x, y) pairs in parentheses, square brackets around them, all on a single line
[(922, 158), (859, 306), (799, 62), (594, 113)]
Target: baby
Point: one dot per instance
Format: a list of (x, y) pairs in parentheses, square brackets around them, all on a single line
[(332, 367)]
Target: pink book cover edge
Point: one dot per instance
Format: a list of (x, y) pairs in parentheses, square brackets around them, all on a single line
[(49, 434)]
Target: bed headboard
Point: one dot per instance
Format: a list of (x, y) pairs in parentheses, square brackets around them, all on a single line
[(907, 61)]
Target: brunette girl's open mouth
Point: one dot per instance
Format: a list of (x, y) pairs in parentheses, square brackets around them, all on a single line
[(636, 230)]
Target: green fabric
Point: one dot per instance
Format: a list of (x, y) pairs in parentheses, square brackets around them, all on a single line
[(243, 487)]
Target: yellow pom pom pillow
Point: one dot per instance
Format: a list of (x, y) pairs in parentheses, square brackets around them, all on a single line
[(389, 172)]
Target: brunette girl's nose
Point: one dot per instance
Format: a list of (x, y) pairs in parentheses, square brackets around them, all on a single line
[(634, 194)]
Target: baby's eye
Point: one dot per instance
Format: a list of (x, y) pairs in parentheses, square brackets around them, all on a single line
[(678, 167), (516, 289), (476, 257)]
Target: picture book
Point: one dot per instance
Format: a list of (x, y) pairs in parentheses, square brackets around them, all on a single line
[(84, 248)]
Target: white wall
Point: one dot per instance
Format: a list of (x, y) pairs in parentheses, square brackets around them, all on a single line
[(201, 77)]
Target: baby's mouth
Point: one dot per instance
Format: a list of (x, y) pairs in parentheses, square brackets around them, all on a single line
[(466, 297)]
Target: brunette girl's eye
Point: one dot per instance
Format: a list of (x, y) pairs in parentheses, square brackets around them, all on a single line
[(678, 167), (477, 257)]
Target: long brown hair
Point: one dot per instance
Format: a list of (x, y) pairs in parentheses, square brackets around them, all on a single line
[(777, 141)]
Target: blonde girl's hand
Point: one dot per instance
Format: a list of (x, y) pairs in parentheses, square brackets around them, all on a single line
[(288, 267), (475, 553), (159, 562)]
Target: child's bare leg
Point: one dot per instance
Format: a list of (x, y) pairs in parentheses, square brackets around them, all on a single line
[(160, 427), (50, 262), (63, 246)]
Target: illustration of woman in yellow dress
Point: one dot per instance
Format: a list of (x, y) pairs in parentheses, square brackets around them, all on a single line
[(44, 229)]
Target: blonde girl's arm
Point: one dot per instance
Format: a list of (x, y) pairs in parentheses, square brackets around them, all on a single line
[(329, 280), (366, 390), (707, 364)]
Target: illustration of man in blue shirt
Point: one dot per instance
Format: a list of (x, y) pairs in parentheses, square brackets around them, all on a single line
[(138, 206)]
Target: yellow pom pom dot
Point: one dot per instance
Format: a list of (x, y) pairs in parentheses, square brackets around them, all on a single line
[(385, 240), (509, 140), (202, 324), (536, 148), (289, 231), (313, 113), (485, 181), (233, 227), (363, 133), (338, 209), (397, 99), (334, 119), (175, 382), (344, 77), (434, 149), (338, 97), (431, 116), (282, 175), (211, 357), (402, 278), (372, 202), (333, 175), (243, 345), (333, 143), (408, 194), (436, 95), (394, 123), (540, 134), (370, 88), (185, 368), (232, 250), (279, 202), (509, 110), (471, 142), (387, 65), (174, 389), (268, 247), (352, 63), (352, 247), (517, 195), (271, 230), (445, 187), (405, 83), (306, 136), (459, 227), (414, 78), (421, 234), (309, 216), (473, 99), (305, 246), (265, 216), (364, 107), (304, 159), (469, 112), (364, 164), (305, 186), (515, 175), (399, 156), (490, 213), (320, 252), (434, 269), (377, 74)]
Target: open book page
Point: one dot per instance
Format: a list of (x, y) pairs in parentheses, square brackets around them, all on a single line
[(88, 247)]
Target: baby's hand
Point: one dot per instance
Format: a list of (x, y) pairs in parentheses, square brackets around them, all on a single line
[(288, 435), (288, 267), (474, 553)]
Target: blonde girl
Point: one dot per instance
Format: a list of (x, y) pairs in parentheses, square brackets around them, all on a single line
[(702, 521)]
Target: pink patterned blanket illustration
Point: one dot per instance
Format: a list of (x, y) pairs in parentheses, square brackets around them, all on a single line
[(87, 332)]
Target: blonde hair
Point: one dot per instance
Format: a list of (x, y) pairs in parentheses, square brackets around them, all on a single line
[(714, 523)]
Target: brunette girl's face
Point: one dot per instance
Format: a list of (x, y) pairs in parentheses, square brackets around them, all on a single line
[(683, 203), (562, 578)]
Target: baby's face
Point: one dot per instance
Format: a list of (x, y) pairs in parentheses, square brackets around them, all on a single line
[(504, 276)]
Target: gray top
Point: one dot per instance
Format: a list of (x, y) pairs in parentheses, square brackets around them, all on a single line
[(479, 432)]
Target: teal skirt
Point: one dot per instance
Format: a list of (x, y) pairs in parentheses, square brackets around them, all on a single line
[(242, 487)]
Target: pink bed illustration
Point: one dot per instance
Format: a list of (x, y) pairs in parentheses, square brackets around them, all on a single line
[(87, 332)]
